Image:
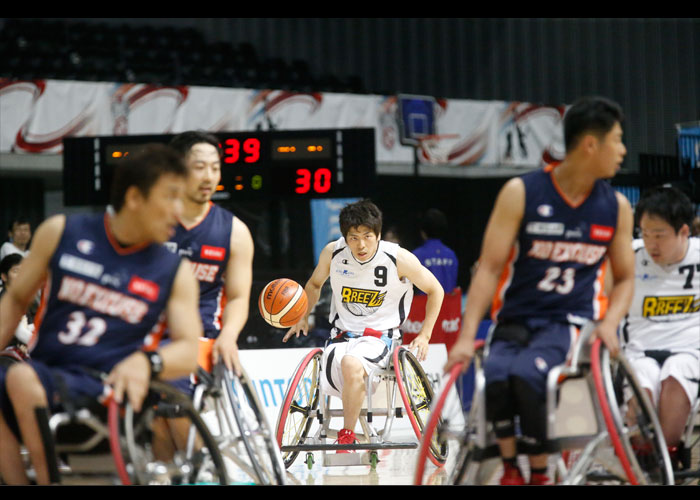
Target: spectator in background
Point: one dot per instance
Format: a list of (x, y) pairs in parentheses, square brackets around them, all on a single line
[(20, 233), (433, 253), (392, 235), (695, 229), (9, 267), (17, 348)]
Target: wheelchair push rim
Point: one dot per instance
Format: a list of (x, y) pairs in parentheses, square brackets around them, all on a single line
[(205, 459), (419, 386), (614, 422), (302, 427), (433, 424)]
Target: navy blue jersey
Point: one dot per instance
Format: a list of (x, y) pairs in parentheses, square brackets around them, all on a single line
[(101, 300), (556, 267), (208, 246), (440, 260)]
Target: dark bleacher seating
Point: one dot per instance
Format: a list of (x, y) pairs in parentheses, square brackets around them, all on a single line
[(80, 50)]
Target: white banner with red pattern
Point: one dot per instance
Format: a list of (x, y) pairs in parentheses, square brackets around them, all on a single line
[(36, 115)]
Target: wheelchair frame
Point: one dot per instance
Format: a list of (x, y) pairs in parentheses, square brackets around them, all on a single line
[(225, 416), (403, 371), (600, 432), (238, 424), (128, 434)]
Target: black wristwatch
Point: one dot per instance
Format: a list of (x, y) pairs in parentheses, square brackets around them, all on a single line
[(156, 363)]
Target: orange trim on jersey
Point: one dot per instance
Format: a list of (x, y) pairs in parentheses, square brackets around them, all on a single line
[(601, 299), (156, 336), (222, 305), (115, 244), (204, 353), (503, 282), (40, 311), (550, 169), (209, 205)]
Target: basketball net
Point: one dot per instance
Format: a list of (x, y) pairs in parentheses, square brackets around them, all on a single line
[(435, 149)]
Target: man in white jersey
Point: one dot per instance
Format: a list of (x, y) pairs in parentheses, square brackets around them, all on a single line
[(662, 329), (372, 282)]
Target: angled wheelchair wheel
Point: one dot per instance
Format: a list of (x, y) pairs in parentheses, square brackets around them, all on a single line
[(417, 395), (477, 456), (445, 425), (300, 403), (253, 435), (141, 459), (631, 420)]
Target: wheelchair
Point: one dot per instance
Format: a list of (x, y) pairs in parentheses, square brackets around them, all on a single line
[(92, 443), (601, 427), (304, 422), (688, 471), (236, 419), (220, 435)]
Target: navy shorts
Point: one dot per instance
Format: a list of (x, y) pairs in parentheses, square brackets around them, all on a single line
[(528, 353), (58, 383)]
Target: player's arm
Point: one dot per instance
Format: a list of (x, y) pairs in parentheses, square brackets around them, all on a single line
[(238, 282), (409, 266), (499, 237), (313, 290), (621, 255), (132, 375), (32, 273)]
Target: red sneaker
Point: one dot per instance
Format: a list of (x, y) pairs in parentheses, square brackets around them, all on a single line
[(511, 476), (539, 479), (346, 436)]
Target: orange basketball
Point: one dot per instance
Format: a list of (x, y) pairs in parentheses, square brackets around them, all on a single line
[(282, 302)]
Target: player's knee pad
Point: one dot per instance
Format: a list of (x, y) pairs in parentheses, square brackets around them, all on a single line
[(533, 415), (500, 408)]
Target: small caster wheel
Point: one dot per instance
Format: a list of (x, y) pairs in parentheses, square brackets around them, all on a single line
[(309, 460), (373, 460)]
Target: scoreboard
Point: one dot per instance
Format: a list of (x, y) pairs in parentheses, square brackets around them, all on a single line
[(256, 165)]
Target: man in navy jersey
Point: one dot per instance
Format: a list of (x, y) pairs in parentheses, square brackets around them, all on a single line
[(542, 265), (433, 253), (109, 283), (219, 245)]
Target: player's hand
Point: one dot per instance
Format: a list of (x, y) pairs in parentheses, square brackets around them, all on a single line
[(462, 352), (131, 377), (225, 348), (608, 335), (421, 344), (301, 327)]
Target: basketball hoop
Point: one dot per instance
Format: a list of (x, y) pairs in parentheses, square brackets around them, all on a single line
[(435, 149)]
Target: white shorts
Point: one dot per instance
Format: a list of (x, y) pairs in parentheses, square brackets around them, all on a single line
[(370, 351), (684, 366)]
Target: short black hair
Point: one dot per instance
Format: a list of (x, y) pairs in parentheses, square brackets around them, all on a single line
[(183, 142), (19, 220), (143, 170), (590, 115), (668, 203), (8, 262), (434, 223), (360, 213)]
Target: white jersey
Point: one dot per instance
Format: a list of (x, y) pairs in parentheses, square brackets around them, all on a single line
[(368, 294), (665, 311)]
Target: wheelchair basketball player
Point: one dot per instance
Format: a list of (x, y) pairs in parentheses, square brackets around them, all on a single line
[(110, 284), (542, 267), (372, 289), (662, 330)]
